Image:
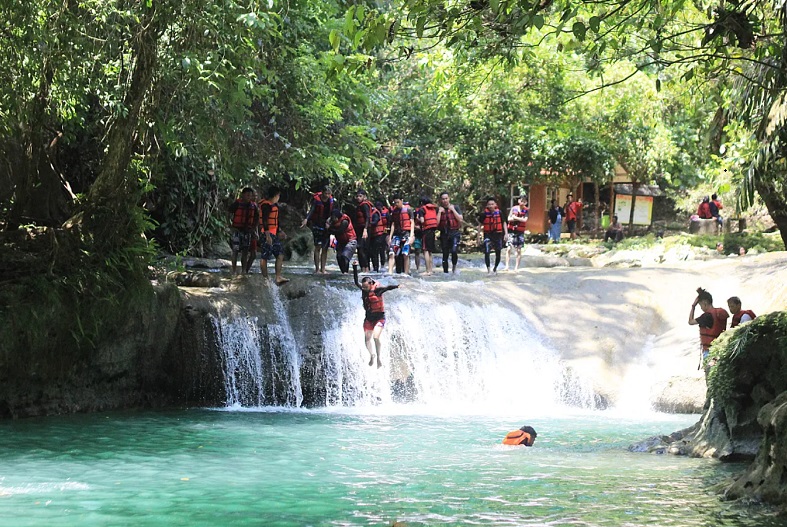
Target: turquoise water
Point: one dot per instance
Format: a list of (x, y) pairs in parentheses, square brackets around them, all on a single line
[(203, 467)]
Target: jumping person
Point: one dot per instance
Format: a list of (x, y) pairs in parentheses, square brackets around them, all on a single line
[(739, 316), (712, 322), (517, 224), (245, 218), (373, 323), (494, 231), (361, 222), (272, 235), (449, 221), (426, 216), (401, 235), (341, 227), (319, 213)]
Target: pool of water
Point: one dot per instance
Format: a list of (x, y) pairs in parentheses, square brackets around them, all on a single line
[(279, 468)]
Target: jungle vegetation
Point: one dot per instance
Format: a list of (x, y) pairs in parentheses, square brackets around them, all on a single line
[(128, 126)]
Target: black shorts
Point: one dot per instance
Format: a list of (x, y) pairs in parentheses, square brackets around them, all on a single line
[(428, 240), (322, 238), (272, 250), (240, 241), (572, 225)]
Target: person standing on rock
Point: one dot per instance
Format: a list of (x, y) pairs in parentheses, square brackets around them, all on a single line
[(739, 315), (712, 322), (271, 246), (449, 221), (401, 236), (341, 227), (517, 224), (245, 217), (319, 212), (374, 322)]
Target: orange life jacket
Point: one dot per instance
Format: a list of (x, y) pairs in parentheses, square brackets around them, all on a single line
[(518, 226), (708, 335), (360, 217), (322, 210), (736, 318), (271, 222), (372, 302), (243, 218), (378, 229), (400, 218), (449, 221), (492, 221), (518, 437), (429, 213), (349, 233)]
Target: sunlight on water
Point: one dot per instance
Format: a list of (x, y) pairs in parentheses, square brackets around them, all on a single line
[(334, 468)]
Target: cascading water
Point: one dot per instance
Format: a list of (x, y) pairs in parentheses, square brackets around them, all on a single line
[(444, 347)]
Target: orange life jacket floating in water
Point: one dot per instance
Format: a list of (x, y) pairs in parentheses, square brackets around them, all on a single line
[(524, 436)]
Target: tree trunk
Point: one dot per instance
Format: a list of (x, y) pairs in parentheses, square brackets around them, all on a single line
[(597, 197), (114, 195), (634, 189), (773, 191)]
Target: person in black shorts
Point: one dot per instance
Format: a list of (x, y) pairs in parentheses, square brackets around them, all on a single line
[(449, 221), (319, 213)]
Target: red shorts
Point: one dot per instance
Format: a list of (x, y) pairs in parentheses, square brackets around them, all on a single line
[(369, 325)]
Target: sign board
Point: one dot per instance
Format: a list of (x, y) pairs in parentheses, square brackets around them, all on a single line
[(643, 211)]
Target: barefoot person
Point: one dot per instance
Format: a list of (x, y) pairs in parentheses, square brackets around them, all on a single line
[(272, 235), (245, 218), (341, 227), (426, 217), (373, 323), (712, 322), (319, 212), (401, 235), (517, 225)]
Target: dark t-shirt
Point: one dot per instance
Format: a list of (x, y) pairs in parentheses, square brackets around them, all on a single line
[(705, 320)]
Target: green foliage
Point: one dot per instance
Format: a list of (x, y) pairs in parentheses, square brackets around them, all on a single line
[(759, 241), (757, 346)]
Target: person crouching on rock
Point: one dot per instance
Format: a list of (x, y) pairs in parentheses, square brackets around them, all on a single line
[(373, 323), (524, 436), (341, 227), (712, 322)]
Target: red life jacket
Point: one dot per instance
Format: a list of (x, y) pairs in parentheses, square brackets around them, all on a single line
[(400, 219), (518, 437), (321, 211), (708, 335), (378, 229), (492, 221), (372, 302), (349, 233), (271, 223), (704, 211), (518, 227), (448, 220), (736, 318), (429, 213), (360, 217), (244, 215)]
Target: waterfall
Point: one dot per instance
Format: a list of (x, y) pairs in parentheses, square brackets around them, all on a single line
[(445, 347)]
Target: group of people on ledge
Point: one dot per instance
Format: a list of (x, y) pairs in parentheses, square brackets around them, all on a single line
[(381, 236), (713, 320), (710, 209)]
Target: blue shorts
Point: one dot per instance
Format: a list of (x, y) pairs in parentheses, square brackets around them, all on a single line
[(322, 237), (516, 240), (399, 245), (272, 250), (240, 241)]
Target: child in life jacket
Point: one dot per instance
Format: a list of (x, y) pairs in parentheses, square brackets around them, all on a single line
[(374, 322)]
